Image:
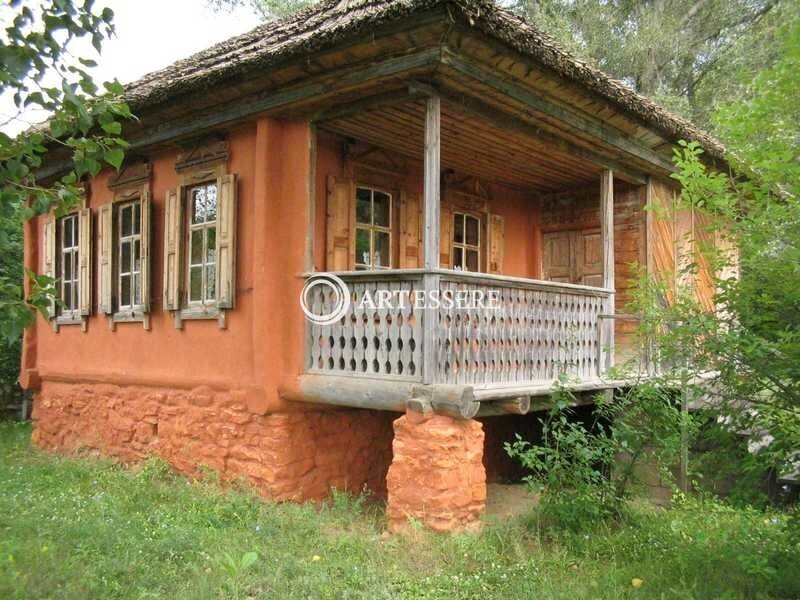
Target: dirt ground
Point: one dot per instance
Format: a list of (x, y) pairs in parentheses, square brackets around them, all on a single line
[(506, 501)]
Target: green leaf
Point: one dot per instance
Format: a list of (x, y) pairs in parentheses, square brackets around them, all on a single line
[(112, 127), (115, 157)]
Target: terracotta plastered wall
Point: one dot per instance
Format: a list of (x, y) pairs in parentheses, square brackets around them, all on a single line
[(261, 346)]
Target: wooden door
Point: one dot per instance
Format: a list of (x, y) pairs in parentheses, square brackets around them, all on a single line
[(573, 257), (558, 256), (589, 258)]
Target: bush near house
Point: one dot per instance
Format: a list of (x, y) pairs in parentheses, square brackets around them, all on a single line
[(90, 528)]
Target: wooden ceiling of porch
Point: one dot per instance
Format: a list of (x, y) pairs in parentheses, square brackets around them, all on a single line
[(470, 145)]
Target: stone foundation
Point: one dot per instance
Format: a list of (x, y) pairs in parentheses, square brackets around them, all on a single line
[(285, 456), (437, 475)]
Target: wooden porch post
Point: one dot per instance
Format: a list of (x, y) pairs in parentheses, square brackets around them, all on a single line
[(431, 234), (607, 233), (432, 182)]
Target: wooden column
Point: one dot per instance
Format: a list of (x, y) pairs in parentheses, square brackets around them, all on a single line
[(607, 233), (432, 209), (432, 182)]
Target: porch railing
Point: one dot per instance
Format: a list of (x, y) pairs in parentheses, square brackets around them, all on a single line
[(527, 330)]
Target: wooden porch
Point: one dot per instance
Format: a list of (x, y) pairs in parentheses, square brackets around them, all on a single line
[(536, 333), (460, 361)]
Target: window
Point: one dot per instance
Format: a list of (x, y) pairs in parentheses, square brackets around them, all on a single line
[(200, 244), (202, 237), (68, 265), (129, 256), (373, 229), (123, 245), (466, 242), (67, 259)]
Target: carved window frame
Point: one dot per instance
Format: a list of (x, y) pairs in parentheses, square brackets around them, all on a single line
[(73, 315)]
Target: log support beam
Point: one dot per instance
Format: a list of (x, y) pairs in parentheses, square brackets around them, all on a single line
[(432, 212), (607, 234)]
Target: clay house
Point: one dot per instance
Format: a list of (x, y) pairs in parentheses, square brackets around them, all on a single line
[(414, 146)]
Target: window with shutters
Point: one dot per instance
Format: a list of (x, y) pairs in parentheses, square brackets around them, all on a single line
[(466, 242), (124, 249), (202, 236), (68, 266), (129, 256), (66, 256), (373, 243)]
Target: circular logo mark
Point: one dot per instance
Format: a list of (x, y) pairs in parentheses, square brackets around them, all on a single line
[(339, 296)]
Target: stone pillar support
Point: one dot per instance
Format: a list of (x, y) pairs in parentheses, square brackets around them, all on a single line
[(437, 475)]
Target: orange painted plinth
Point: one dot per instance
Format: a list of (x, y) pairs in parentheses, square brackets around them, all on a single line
[(284, 456), (437, 475)]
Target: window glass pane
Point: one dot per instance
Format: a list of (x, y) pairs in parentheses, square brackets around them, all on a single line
[(198, 204), (211, 244), (125, 258), (137, 289), (458, 229), (211, 282), (211, 202), (196, 283), (137, 218), (67, 261), (363, 206), (125, 290), (67, 295), (382, 250), (458, 258), (382, 209), (137, 259), (472, 260), (67, 233), (126, 220), (362, 246), (473, 235), (74, 304), (196, 256)]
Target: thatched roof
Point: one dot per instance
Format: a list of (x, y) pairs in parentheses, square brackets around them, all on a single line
[(333, 21)]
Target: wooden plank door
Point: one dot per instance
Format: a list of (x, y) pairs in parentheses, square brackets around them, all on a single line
[(573, 257), (589, 258), (557, 259)]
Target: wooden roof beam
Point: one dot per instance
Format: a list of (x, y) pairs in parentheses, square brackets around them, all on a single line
[(578, 123), (513, 123), (377, 101)]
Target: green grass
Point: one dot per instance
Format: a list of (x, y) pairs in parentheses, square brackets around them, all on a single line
[(88, 528)]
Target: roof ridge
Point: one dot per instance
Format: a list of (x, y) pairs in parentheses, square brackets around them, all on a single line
[(328, 21)]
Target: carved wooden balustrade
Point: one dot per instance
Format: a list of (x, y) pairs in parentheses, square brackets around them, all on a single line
[(527, 331)]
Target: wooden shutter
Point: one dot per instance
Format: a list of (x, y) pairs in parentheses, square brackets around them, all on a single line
[(173, 215), (410, 231), (105, 226), (497, 240), (145, 214), (226, 241), (85, 261), (49, 258), (340, 214), (445, 236)]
